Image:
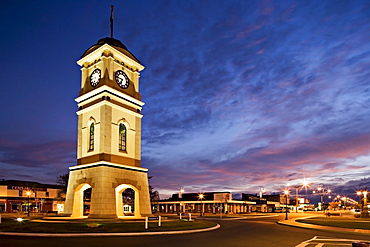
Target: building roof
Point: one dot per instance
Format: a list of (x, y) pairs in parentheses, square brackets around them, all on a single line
[(29, 184), (115, 43), (195, 196)]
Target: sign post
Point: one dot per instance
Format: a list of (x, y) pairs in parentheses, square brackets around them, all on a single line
[(147, 219)]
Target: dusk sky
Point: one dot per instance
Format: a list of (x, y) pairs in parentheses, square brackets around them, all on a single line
[(238, 94)]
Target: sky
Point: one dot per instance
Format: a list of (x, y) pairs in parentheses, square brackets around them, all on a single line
[(239, 95)]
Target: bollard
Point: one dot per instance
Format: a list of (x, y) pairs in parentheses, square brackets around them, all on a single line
[(159, 220), (189, 216), (146, 222), (360, 244), (180, 215)]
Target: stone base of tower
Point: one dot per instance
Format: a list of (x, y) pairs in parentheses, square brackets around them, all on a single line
[(102, 216), (107, 181)]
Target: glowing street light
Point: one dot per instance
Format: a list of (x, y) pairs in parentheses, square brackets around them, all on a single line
[(201, 197), (28, 193), (286, 193), (322, 192), (304, 184), (262, 190), (364, 208), (182, 190)]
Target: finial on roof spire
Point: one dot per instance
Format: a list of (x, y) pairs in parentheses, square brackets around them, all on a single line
[(111, 20)]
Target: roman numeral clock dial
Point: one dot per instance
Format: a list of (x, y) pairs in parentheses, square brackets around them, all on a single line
[(122, 79), (95, 77)]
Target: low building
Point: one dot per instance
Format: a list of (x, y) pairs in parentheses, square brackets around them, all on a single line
[(265, 203), (209, 202), (21, 196)]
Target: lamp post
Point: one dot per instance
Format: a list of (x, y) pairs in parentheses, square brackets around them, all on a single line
[(339, 201), (304, 184), (28, 193), (180, 197), (364, 208), (322, 192), (286, 193), (296, 198), (201, 197), (262, 190)]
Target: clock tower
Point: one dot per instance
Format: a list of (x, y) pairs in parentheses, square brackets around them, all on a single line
[(109, 134)]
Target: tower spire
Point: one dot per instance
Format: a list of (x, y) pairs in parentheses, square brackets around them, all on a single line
[(111, 20)]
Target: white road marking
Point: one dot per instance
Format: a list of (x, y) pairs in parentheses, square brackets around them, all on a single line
[(305, 243), (322, 241)]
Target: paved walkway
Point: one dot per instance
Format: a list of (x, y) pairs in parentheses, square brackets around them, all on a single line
[(294, 223)]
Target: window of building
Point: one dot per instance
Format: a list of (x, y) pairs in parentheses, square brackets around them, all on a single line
[(91, 139), (122, 137)]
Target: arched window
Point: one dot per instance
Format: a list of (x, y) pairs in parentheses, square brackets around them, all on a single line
[(91, 138), (122, 137)]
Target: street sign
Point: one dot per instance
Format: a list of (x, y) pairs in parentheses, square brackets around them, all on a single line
[(153, 218)]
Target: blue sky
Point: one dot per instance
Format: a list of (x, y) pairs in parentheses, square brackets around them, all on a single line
[(239, 94)]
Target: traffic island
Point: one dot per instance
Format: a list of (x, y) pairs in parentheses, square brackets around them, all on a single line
[(110, 226), (336, 224), (340, 222)]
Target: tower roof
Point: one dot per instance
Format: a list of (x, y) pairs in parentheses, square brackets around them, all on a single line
[(112, 42)]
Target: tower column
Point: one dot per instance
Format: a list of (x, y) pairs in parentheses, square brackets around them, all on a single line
[(103, 198), (105, 124)]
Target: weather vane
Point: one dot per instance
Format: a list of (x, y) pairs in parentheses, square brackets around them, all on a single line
[(111, 20)]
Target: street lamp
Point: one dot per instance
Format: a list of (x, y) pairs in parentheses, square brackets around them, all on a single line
[(296, 198), (303, 184), (364, 208), (322, 192), (28, 193), (201, 197), (286, 193), (180, 197), (262, 190), (339, 200)]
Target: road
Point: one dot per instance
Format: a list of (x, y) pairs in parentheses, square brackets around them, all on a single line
[(260, 232)]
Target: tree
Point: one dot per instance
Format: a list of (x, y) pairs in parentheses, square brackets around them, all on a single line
[(62, 182), (334, 205), (154, 195)]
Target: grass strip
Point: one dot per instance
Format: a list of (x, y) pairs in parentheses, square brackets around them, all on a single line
[(11, 225), (360, 223)]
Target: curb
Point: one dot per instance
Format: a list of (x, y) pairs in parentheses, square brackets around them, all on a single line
[(106, 234)]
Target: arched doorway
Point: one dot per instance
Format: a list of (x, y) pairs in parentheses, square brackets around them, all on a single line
[(119, 200), (78, 200)]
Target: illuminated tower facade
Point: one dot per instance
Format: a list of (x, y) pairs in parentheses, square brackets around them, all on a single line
[(109, 134)]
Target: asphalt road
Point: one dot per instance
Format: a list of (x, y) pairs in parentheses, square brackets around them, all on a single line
[(263, 232)]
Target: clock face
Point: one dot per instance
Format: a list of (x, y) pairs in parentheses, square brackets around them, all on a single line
[(95, 77), (122, 79)]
